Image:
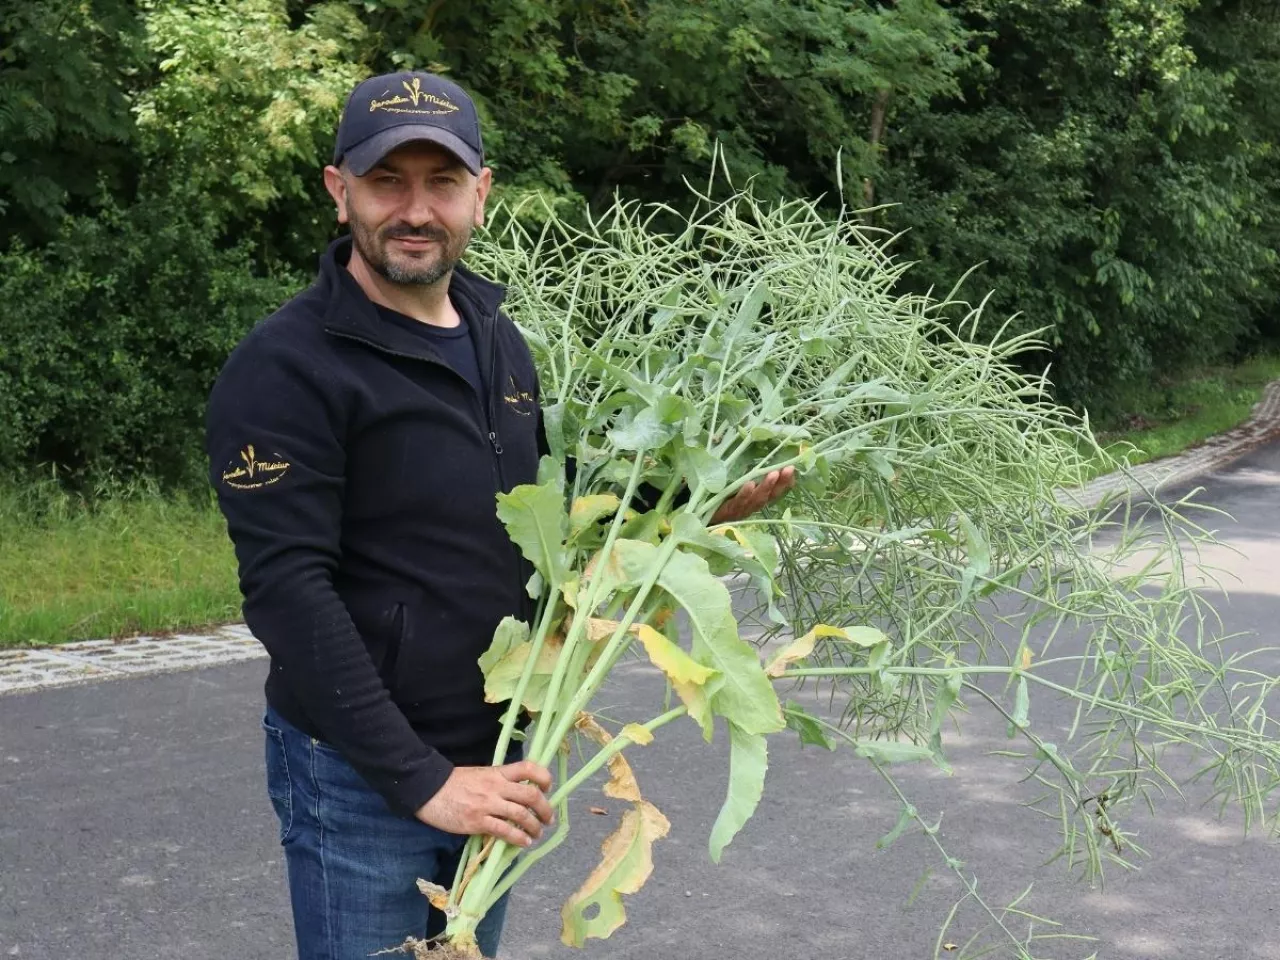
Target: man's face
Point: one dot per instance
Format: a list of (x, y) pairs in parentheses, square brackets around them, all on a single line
[(412, 215)]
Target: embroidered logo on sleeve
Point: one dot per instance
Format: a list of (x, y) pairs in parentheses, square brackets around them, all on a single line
[(251, 473)]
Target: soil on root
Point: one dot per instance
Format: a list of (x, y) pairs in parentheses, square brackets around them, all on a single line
[(427, 950)]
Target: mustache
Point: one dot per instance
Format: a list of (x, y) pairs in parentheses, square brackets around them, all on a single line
[(427, 232)]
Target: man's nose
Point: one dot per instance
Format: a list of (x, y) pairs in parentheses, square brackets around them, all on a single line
[(417, 210)]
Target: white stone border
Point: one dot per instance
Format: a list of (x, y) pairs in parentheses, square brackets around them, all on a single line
[(41, 667)]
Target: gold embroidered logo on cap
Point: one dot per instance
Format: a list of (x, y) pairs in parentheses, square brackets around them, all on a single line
[(418, 99), (253, 473)]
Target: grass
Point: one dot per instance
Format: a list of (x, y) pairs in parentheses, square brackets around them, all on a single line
[(1169, 415), (133, 562)]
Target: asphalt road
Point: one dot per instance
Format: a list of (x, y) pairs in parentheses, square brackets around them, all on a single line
[(134, 826)]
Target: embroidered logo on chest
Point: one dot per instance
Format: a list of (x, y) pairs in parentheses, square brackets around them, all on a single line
[(521, 401)]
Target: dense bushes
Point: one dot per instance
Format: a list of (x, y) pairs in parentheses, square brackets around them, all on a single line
[(1111, 166), (113, 333)]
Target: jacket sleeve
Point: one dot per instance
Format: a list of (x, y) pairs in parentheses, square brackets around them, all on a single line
[(275, 439)]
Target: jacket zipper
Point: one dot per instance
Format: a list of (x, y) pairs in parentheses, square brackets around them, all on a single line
[(494, 439)]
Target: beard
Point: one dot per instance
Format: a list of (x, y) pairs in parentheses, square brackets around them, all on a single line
[(404, 268)]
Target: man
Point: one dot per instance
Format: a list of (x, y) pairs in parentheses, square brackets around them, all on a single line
[(357, 439)]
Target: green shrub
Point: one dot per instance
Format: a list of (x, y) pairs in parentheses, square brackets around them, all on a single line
[(113, 334)]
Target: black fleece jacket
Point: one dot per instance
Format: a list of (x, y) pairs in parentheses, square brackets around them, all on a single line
[(357, 473)]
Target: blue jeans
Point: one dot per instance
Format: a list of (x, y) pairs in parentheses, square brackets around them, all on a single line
[(353, 863)]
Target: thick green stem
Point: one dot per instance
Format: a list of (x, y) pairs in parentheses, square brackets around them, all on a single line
[(621, 637), (510, 878), (586, 606)]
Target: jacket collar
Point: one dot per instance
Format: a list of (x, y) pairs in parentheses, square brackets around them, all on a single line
[(351, 313)]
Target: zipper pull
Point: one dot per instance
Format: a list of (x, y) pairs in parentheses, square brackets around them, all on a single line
[(497, 446)]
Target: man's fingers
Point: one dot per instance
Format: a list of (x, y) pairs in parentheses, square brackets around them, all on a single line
[(523, 818), (493, 827), (542, 809), (528, 770), (531, 798)]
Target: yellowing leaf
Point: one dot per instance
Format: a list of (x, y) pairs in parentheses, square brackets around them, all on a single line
[(570, 590), (742, 693), (801, 647), (600, 629), (502, 680), (509, 635), (797, 649), (610, 576), (1026, 658), (622, 781), (697, 697), (586, 511), (670, 658), (637, 734), (626, 863), (436, 895)]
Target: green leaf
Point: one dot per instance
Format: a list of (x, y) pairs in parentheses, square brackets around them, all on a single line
[(1021, 708), (749, 311), (705, 467), (809, 730), (553, 424), (509, 635), (979, 553), (646, 431), (742, 694), (892, 751), (880, 464), (946, 690), (535, 519), (551, 471), (748, 762), (905, 819), (750, 549)]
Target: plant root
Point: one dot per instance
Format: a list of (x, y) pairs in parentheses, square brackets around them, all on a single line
[(438, 950)]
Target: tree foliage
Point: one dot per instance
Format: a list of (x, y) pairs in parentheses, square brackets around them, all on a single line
[(1109, 167)]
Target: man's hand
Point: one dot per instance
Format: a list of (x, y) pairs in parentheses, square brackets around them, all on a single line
[(493, 801), (754, 496)]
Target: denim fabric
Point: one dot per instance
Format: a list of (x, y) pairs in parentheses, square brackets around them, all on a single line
[(354, 864)]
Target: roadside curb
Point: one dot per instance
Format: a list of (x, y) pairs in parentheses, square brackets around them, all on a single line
[(1148, 479), (40, 668)]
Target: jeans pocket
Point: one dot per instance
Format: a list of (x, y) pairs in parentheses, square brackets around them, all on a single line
[(279, 783)]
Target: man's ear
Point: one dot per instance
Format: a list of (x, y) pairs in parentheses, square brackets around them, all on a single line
[(483, 182), (336, 184)]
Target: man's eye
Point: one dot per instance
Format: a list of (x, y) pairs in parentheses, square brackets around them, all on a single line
[(387, 179), (443, 181)]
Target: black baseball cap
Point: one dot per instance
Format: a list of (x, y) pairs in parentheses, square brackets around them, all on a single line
[(384, 112)]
